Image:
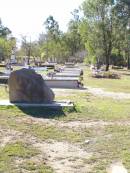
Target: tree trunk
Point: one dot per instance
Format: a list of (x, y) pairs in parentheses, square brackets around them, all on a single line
[(128, 61), (108, 55), (107, 63)]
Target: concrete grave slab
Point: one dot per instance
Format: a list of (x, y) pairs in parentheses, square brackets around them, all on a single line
[(66, 75), (63, 83), (54, 104), (55, 82)]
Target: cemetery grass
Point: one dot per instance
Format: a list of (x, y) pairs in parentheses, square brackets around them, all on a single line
[(115, 85), (16, 157), (108, 140), (4, 92), (100, 126)]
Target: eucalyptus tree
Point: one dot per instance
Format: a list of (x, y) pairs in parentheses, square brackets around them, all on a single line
[(52, 28), (98, 21), (122, 9), (51, 38), (6, 42), (73, 35), (6, 47), (4, 31)]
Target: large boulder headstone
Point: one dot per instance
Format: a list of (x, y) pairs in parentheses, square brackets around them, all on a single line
[(25, 85)]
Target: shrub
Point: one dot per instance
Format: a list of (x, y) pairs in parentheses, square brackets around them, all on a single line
[(117, 67), (108, 74)]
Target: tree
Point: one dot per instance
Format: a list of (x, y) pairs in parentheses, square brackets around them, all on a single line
[(6, 47), (52, 28), (73, 34), (98, 18), (4, 31), (26, 48), (123, 15), (6, 43)]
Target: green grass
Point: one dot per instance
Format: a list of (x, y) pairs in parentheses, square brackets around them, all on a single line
[(4, 93), (92, 107), (12, 152), (107, 143), (32, 166), (86, 107), (2, 69), (18, 149), (112, 143), (45, 132), (116, 85)]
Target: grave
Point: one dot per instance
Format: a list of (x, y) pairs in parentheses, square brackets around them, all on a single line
[(49, 66), (26, 86), (69, 64), (55, 82), (29, 89), (72, 69), (58, 80), (72, 72), (37, 69), (66, 82), (62, 74), (4, 79)]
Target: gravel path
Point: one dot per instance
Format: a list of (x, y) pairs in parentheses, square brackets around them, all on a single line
[(95, 91), (101, 93)]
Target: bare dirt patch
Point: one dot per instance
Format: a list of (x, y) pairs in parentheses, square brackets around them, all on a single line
[(71, 124), (61, 156), (65, 157)]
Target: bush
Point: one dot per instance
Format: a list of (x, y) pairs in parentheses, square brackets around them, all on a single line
[(108, 75), (117, 67)]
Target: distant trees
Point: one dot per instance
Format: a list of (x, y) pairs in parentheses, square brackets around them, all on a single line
[(4, 31), (52, 28), (58, 45), (122, 10), (104, 31), (97, 29), (73, 35), (6, 43), (54, 44)]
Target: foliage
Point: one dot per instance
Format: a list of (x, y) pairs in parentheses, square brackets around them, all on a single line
[(108, 74), (54, 45), (96, 29), (52, 28), (6, 48), (4, 31), (73, 35), (6, 43)]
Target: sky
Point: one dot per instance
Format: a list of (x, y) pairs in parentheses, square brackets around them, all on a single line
[(26, 17)]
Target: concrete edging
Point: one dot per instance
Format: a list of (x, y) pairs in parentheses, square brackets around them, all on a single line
[(55, 104)]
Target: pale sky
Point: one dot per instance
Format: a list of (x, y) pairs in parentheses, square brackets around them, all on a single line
[(26, 17)]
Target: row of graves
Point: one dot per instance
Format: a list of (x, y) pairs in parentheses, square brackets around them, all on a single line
[(28, 86), (65, 76)]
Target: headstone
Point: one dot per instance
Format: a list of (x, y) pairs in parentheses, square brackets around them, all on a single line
[(26, 86)]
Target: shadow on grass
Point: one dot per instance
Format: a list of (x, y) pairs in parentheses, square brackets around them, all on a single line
[(46, 112)]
